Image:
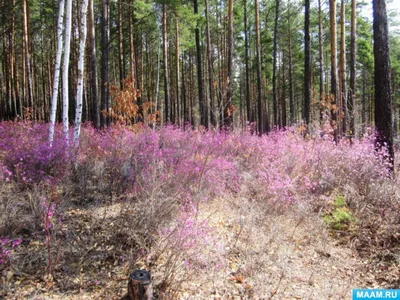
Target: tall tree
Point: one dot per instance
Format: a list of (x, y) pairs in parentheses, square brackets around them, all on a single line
[(26, 47), (105, 97), (321, 62), (352, 90), (383, 96), (120, 44), (178, 99), (246, 58), (81, 61), (60, 25), (165, 58), (334, 89), (67, 50), (93, 67), (213, 116), (307, 63), (202, 100), (229, 93), (275, 52), (260, 122), (342, 70)]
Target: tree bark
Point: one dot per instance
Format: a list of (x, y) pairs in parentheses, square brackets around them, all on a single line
[(260, 122), (81, 62), (342, 70), (67, 49), (352, 91), (120, 45), (178, 98), (383, 99), (321, 64), (105, 97), (364, 103), (275, 46), (228, 117), (93, 68), (202, 101), (27, 53), (131, 45), (334, 89), (165, 58), (307, 63), (213, 115), (57, 70), (246, 53), (283, 93)]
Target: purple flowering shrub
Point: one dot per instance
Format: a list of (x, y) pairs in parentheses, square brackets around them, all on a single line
[(163, 176), (186, 248), (27, 155), (7, 247)]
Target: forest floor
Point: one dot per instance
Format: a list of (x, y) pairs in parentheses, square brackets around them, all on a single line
[(209, 215), (286, 253)]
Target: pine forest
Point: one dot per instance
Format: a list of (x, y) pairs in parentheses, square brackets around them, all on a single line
[(213, 149)]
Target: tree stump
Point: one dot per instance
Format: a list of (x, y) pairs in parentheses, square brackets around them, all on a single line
[(139, 286)]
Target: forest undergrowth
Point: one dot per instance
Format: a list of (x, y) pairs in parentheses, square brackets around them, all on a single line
[(209, 214)]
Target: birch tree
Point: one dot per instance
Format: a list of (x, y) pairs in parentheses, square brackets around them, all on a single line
[(54, 98), (67, 48), (78, 111)]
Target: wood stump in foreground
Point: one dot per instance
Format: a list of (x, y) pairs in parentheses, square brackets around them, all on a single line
[(139, 286)]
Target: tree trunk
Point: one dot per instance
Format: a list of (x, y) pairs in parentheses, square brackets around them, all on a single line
[(13, 71), (67, 49), (260, 122), (165, 57), (213, 115), (228, 118), (352, 91), (120, 45), (82, 41), (27, 54), (131, 45), (364, 103), (283, 94), (246, 49), (334, 89), (202, 101), (321, 64), (275, 46), (105, 97), (184, 101), (383, 99), (93, 68), (342, 70), (57, 70), (307, 63), (178, 98)]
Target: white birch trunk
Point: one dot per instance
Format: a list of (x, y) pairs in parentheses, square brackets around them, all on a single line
[(67, 49), (78, 111), (54, 98)]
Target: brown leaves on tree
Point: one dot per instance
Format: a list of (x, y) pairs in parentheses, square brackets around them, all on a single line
[(125, 109)]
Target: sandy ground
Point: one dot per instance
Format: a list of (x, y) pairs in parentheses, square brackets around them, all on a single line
[(268, 254)]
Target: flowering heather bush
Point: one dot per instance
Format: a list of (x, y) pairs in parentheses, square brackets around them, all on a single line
[(180, 162), (27, 155), (162, 176), (6, 248), (186, 249)]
